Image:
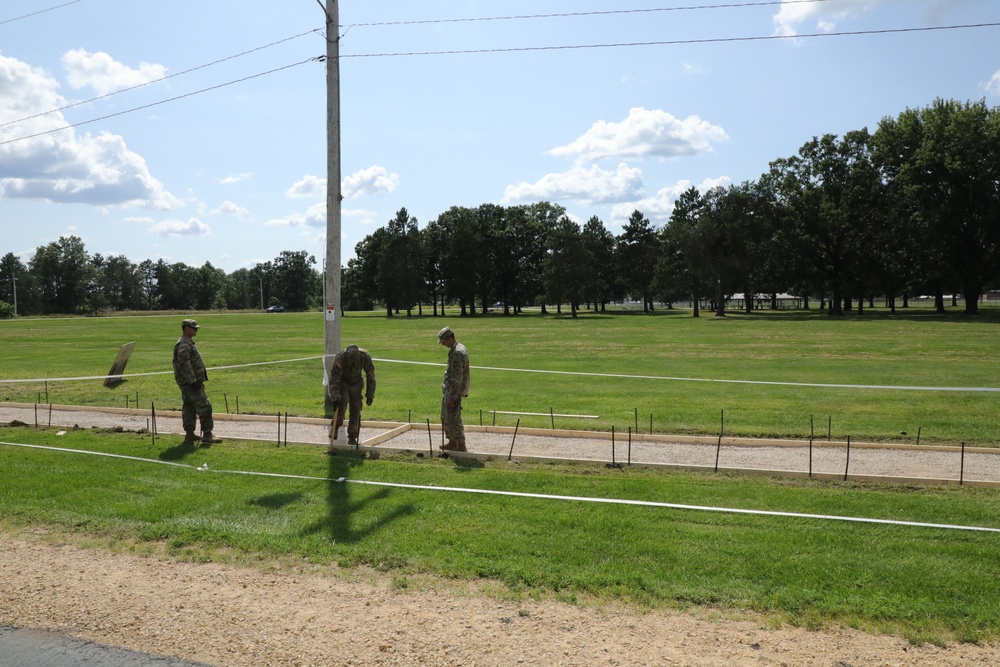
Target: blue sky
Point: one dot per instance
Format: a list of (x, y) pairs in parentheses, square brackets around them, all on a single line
[(224, 160)]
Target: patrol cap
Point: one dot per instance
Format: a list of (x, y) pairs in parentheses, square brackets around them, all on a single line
[(190, 323), (445, 334)]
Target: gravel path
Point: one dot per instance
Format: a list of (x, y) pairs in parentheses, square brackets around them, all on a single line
[(902, 463), (301, 615)]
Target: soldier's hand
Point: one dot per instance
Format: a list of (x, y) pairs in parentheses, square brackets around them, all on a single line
[(368, 401)]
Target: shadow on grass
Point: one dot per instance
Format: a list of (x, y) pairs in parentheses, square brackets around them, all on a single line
[(276, 501), (341, 521), (178, 452)]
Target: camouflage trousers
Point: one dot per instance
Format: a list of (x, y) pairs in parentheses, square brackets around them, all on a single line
[(451, 421), (350, 399), (196, 406)]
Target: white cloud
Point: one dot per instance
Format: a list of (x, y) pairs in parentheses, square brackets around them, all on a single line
[(314, 216), (644, 133), (57, 165), (659, 207), (234, 179), (309, 186), (105, 74), (365, 217), (190, 227), (993, 87), (374, 180), (229, 208), (824, 14), (591, 185)]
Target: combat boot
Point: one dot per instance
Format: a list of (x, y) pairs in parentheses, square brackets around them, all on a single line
[(209, 439), (191, 438)]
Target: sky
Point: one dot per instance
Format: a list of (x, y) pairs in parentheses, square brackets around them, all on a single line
[(196, 132)]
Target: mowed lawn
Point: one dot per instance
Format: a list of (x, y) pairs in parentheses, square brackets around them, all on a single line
[(407, 517), (932, 584), (758, 375)]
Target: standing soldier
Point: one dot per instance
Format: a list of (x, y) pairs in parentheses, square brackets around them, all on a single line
[(346, 382), (454, 388), (191, 376)]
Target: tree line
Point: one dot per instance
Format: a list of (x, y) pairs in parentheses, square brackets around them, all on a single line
[(911, 208), (62, 278)]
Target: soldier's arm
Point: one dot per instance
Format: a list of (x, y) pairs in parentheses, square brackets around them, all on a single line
[(369, 379), (183, 361)]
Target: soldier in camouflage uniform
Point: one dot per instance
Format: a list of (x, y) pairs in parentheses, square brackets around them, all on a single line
[(191, 375), (351, 371), (454, 388)]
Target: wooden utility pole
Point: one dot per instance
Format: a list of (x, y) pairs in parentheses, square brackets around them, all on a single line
[(331, 285)]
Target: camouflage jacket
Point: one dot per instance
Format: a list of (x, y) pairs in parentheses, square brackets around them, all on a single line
[(456, 376), (352, 367), (188, 365)]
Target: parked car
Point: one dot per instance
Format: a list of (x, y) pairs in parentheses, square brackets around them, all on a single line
[(274, 309)]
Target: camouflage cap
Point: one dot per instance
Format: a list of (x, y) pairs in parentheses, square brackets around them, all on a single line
[(445, 334), (190, 323)]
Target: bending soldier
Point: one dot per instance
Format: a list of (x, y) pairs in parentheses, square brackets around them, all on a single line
[(351, 371)]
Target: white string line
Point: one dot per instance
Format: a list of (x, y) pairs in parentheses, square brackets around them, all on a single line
[(624, 376), (136, 375), (683, 379), (539, 496)]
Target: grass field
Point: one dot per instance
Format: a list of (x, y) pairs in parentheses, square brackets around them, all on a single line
[(928, 584), (680, 374)]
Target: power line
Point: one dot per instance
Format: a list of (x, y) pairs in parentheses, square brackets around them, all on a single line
[(592, 13), (40, 11), (673, 42), (164, 78), (714, 40), (153, 104)]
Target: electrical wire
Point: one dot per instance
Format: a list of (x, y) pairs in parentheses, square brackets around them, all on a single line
[(714, 40), (40, 11), (164, 78), (674, 42), (153, 104), (739, 5)]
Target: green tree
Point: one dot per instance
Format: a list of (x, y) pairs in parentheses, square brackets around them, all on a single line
[(432, 242), (943, 164), (62, 271), (462, 251), (639, 247), (682, 266), (15, 284), (600, 245), (830, 189), (568, 268), (294, 280)]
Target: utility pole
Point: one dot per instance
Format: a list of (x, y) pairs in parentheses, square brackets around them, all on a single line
[(13, 282), (260, 278), (331, 285)]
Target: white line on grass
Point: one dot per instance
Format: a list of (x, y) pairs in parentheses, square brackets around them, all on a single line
[(517, 494), (548, 372)]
